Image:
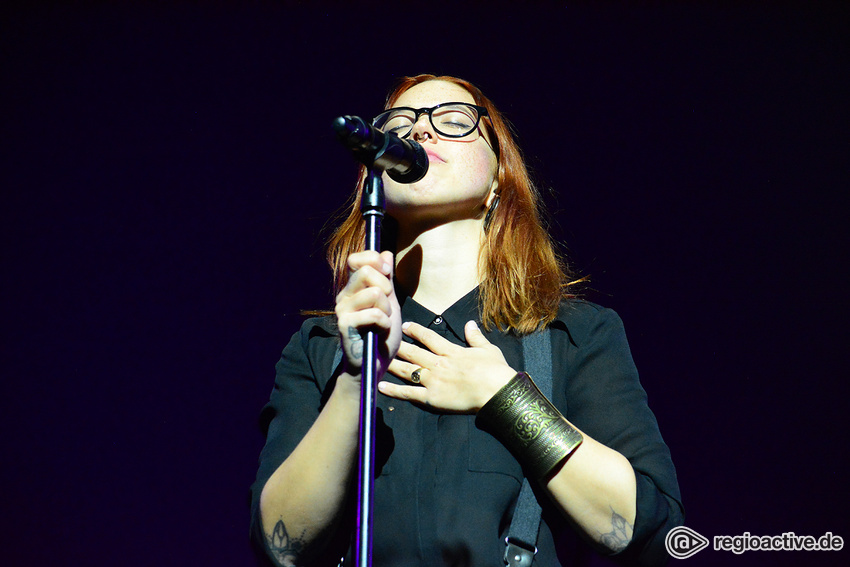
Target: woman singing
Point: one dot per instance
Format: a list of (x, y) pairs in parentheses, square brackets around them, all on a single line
[(469, 275)]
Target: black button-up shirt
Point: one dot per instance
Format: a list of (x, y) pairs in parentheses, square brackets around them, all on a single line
[(446, 490)]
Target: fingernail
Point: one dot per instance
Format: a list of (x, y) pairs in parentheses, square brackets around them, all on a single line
[(386, 268), (405, 325), (474, 324)]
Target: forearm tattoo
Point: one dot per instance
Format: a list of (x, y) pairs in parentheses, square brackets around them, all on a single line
[(283, 548), (620, 535), (356, 343)]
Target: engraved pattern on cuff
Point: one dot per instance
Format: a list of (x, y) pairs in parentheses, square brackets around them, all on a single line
[(529, 425)]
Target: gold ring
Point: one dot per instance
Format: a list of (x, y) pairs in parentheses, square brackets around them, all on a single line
[(416, 375)]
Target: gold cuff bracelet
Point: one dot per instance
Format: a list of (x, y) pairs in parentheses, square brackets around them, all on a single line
[(527, 423)]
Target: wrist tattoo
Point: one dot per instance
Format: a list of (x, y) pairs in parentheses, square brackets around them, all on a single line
[(356, 343), (283, 548), (620, 535)]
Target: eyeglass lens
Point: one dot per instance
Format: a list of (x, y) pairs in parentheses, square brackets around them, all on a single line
[(454, 120)]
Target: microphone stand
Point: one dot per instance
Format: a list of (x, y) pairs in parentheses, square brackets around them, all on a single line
[(372, 206), (378, 151)]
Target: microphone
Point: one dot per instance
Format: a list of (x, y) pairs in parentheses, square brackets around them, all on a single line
[(405, 161)]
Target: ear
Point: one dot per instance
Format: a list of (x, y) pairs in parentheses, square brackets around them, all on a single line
[(494, 191)]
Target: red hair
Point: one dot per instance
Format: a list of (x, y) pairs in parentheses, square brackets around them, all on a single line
[(523, 278)]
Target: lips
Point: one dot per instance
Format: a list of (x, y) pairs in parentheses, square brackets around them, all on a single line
[(433, 157)]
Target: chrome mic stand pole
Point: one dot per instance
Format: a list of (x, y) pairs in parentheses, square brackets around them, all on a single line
[(372, 206)]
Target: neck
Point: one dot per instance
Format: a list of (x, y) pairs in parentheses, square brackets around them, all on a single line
[(439, 265)]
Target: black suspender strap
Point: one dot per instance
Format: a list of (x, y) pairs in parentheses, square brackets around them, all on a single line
[(522, 534)]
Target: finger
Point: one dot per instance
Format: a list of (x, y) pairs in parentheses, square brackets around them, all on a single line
[(400, 392), (364, 319), (371, 297), (401, 369), (432, 341), (417, 355), (382, 262), (474, 336), (366, 276), (388, 265)]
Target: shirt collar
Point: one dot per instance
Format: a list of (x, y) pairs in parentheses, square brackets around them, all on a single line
[(455, 317)]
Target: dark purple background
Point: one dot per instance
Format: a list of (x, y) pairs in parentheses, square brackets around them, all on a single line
[(167, 168)]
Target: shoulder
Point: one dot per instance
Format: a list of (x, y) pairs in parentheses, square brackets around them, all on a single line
[(311, 352), (582, 319), (316, 337), (319, 327)]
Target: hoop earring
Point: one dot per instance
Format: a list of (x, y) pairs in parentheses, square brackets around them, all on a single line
[(488, 218)]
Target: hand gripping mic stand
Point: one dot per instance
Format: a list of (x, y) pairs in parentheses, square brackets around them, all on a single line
[(405, 162)]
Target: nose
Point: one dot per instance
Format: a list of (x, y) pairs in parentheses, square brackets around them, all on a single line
[(422, 128)]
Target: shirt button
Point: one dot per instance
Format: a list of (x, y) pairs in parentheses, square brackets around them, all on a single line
[(438, 320)]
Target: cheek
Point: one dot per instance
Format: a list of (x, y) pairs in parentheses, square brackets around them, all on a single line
[(480, 168)]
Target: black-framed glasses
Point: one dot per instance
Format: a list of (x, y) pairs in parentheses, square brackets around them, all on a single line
[(450, 119)]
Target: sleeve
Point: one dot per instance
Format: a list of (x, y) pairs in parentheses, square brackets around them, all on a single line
[(605, 399), (301, 377)]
